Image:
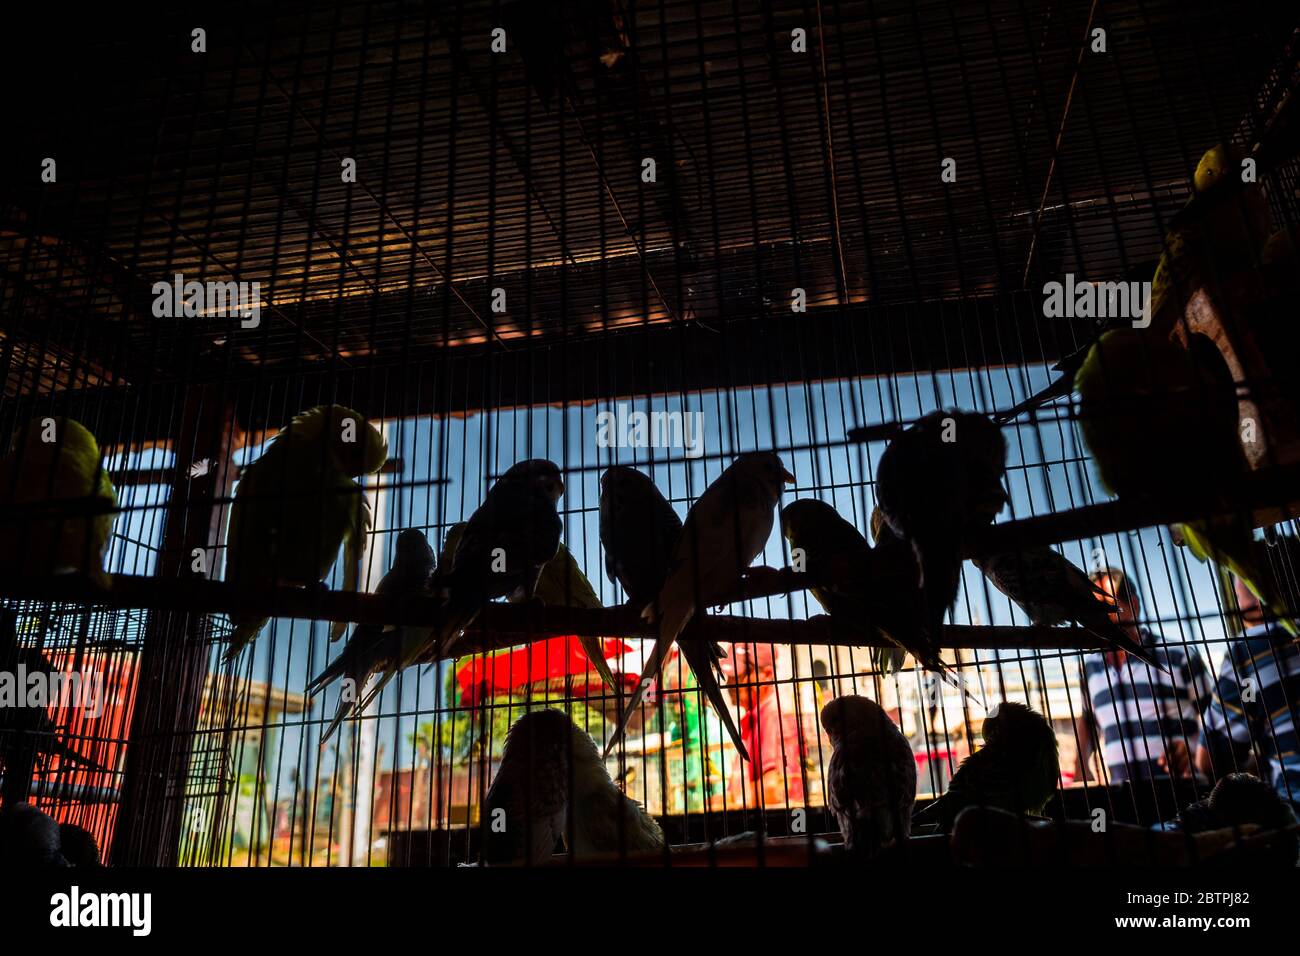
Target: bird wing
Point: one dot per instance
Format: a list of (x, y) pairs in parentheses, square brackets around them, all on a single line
[(606, 820), (355, 537)]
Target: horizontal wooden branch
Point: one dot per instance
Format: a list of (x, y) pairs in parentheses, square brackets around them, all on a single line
[(508, 625), (1268, 496), (502, 625)]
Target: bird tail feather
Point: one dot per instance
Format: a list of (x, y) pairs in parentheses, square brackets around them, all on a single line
[(707, 679), (1102, 626), (652, 665), (245, 633), (595, 652), (457, 615), (335, 670)]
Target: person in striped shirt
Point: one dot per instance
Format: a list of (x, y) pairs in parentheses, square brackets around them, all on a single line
[(1250, 724), (1145, 721)]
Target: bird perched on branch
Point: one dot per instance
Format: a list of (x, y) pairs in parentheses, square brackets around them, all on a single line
[(862, 585), (937, 484), (58, 502), (1051, 590), (725, 530), (379, 649), (639, 530), (1159, 422), (1220, 231), (297, 504), (562, 584), (895, 573), (871, 778), (552, 773), (502, 547), (1017, 769)]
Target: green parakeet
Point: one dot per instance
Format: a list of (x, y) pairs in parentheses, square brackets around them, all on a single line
[(551, 771), (1156, 421), (297, 504), (563, 584), (54, 472), (639, 530), (937, 483), (502, 547), (376, 649), (871, 777), (1017, 770)]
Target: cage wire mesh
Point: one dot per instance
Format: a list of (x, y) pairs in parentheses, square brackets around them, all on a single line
[(603, 233)]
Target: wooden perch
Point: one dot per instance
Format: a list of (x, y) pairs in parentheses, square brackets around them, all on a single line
[(505, 625), (1270, 491), (1269, 496)]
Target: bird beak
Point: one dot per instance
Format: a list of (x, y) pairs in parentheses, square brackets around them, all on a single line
[(789, 478)]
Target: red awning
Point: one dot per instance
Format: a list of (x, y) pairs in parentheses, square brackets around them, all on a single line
[(481, 678)]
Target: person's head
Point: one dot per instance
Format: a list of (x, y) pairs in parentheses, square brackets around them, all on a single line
[(1252, 612), (753, 667), (1118, 591), (1279, 562)]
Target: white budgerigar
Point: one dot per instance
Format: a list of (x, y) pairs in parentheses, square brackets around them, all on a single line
[(552, 774), (724, 532)]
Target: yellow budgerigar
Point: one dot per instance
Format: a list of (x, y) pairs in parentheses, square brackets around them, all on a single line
[(58, 501), (1158, 421)]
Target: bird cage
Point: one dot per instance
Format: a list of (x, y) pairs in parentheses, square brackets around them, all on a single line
[(379, 377)]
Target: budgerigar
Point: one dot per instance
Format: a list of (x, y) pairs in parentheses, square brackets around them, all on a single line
[(1053, 591), (298, 504), (377, 649), (1158, 423), (1017, 769), (1220, 231), (871, 778), (502, 548), (828, 546), (58, 501), (724, 531), (937, 483), (639, 530), (563, 584), (552, 774), (896, 574)]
